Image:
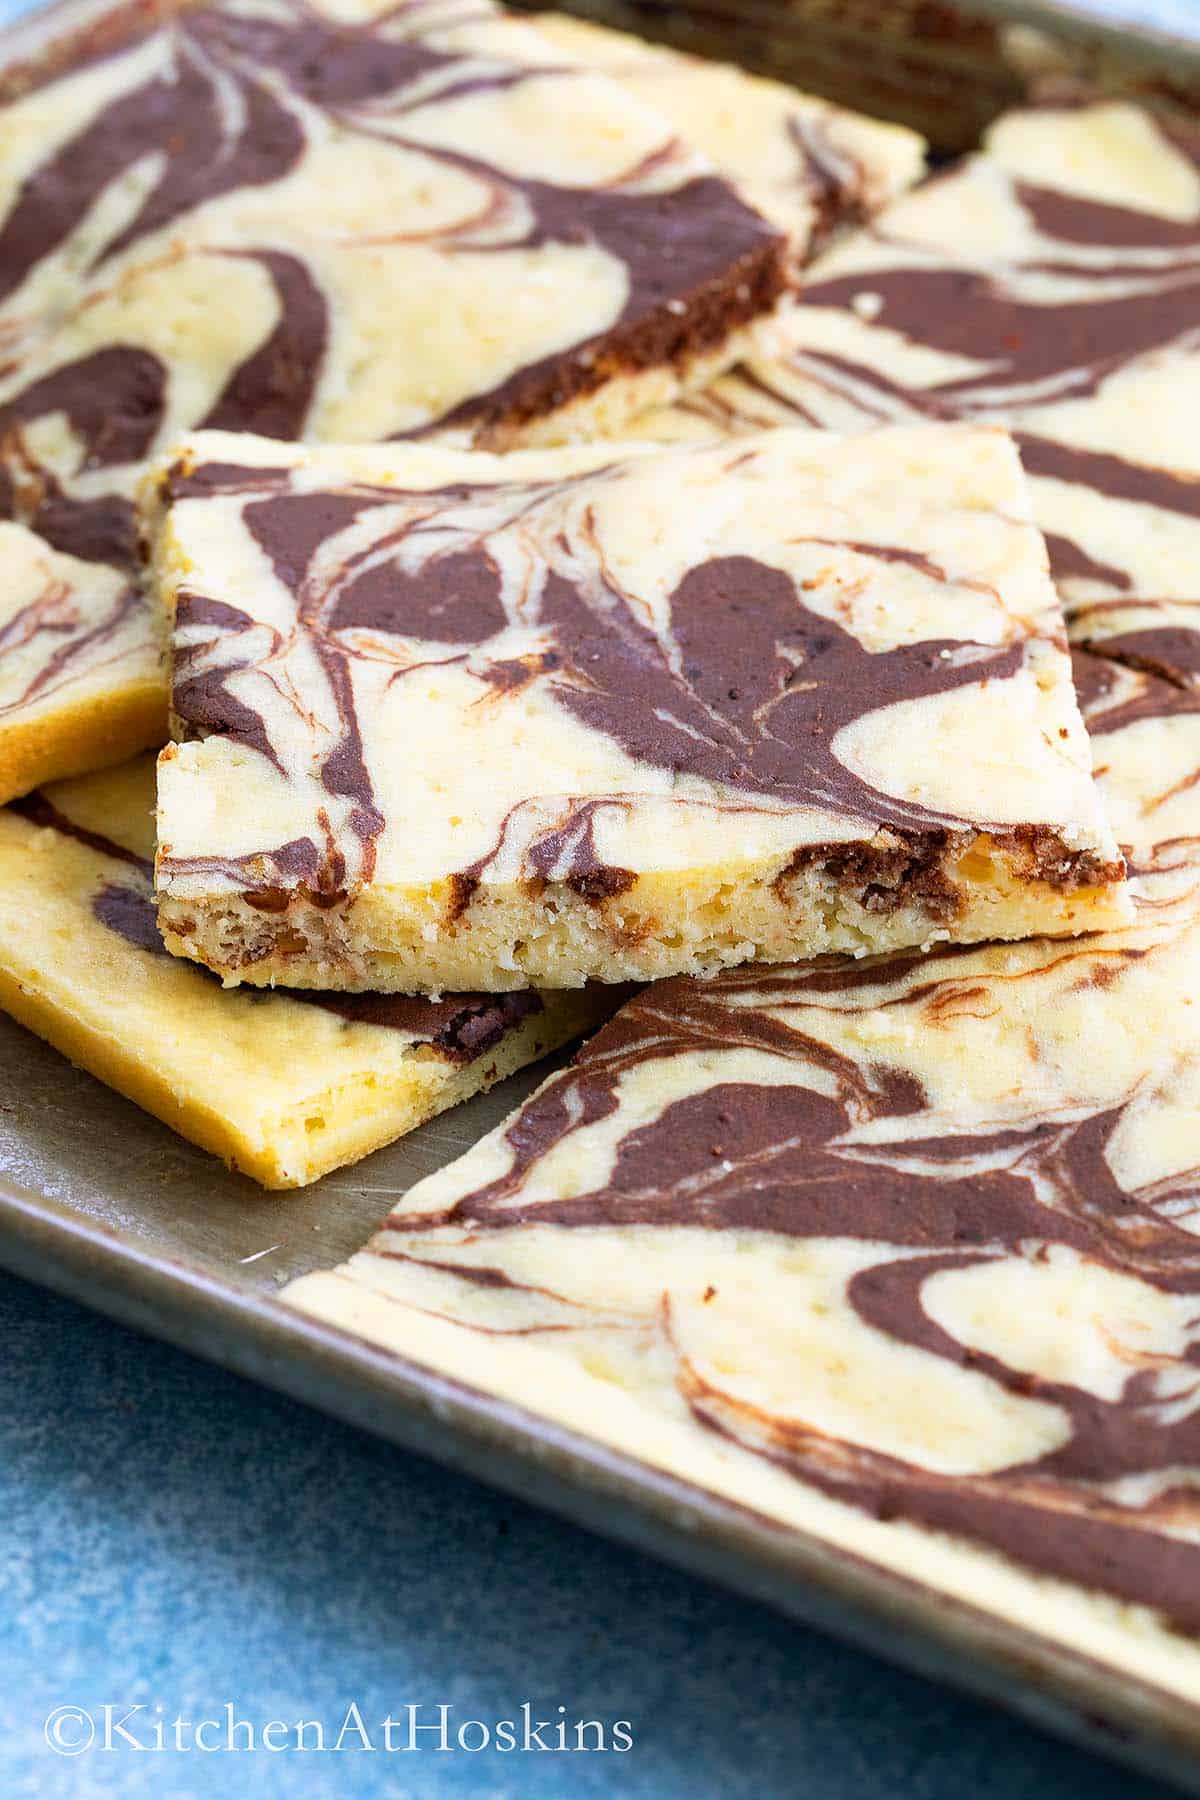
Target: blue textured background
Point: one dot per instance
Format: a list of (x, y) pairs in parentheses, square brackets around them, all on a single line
[(174, 1535)]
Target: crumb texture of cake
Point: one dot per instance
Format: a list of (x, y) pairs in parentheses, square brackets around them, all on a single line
[(282, 1086), (1050, 284), (901, 1254), (812, 168), (451, 720), (309, 222)]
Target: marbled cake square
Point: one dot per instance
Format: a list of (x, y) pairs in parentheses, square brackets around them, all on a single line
[(453, 720)]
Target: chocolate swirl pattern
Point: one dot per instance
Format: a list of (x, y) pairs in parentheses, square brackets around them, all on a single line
[(1051, 284), (527, 718), (284, 1086), (248, 218), (903, 1253)]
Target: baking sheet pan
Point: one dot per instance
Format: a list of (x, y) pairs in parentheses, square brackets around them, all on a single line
[(101, 1202)]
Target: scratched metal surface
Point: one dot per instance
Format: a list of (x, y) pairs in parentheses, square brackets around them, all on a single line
[(105, 1204), (65, 1136)]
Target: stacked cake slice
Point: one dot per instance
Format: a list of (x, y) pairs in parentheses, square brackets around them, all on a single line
[(450, 720)]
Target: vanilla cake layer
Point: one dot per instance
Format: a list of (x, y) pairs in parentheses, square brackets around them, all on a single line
[(901, 1254), (284, 1087), (246, 216), (450, 720)]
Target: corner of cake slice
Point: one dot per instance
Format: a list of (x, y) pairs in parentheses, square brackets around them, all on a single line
[(450, 720), (284, 1087)]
